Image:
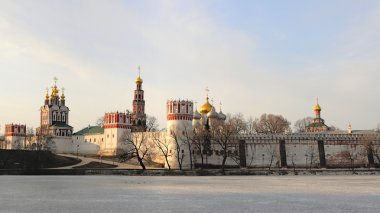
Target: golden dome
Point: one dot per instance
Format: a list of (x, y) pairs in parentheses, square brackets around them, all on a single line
[(317, 107), (63, 97), (47, 94), (139, 80), (54, 92), (206, 108)]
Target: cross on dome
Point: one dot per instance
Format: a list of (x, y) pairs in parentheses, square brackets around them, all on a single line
[(55, 80), (138, 79), (207, 91)]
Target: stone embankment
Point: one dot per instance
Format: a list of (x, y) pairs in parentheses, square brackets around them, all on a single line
[(197, 172)]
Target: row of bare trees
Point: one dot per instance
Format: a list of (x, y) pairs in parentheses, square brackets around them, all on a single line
[(198, 140), (147, 146)]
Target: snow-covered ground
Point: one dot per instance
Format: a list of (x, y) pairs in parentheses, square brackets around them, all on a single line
[(189, 194)]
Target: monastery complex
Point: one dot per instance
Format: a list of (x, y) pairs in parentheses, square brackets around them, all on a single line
[(318, 146)]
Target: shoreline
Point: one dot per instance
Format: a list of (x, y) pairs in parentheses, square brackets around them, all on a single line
[(196, 172)]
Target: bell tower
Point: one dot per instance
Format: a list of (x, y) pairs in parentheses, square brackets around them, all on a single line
[(138, 114)]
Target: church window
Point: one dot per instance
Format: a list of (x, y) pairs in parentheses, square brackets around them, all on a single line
[(183, 151), (94, 139), (113, 135), (108, 136)]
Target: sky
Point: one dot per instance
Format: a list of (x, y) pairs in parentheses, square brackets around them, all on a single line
[(254, 56)]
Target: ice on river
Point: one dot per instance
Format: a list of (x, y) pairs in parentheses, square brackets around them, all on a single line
[(190, 194)]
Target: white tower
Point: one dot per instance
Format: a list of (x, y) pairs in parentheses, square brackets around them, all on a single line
[(116, 124), (179, 125), (15, 136)]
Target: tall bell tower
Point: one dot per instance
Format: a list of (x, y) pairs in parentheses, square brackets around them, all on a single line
[(138, 114)]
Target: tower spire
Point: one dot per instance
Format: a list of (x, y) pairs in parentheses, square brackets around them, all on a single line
[(47, 94), (63, 93), (138, 115), (138, 79), (47, 97)]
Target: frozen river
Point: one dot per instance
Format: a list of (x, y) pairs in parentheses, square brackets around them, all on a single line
[(189, 194)]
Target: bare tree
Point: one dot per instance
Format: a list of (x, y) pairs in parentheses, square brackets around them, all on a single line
[(273, 154), (351, 155), (29, 137), (136, 147), (301, 124), (293, 159), (151, 124), (333, 128), (224, 134), (99, 121), (189, 140), (199, 142), (250, 125), (178, 144), (163, 145), (43, 138), (311, 154), (370, 143), (271, 124)]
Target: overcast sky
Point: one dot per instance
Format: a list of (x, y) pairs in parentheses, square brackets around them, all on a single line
[(255, 56)]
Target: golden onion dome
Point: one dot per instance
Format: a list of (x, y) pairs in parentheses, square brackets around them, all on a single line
[(139, 80), (47, 94), (54, 92), (206, 108), (63, 94), (317, 107)]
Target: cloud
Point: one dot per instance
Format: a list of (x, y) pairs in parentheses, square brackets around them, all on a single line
[(182, 48), (15, 43)]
